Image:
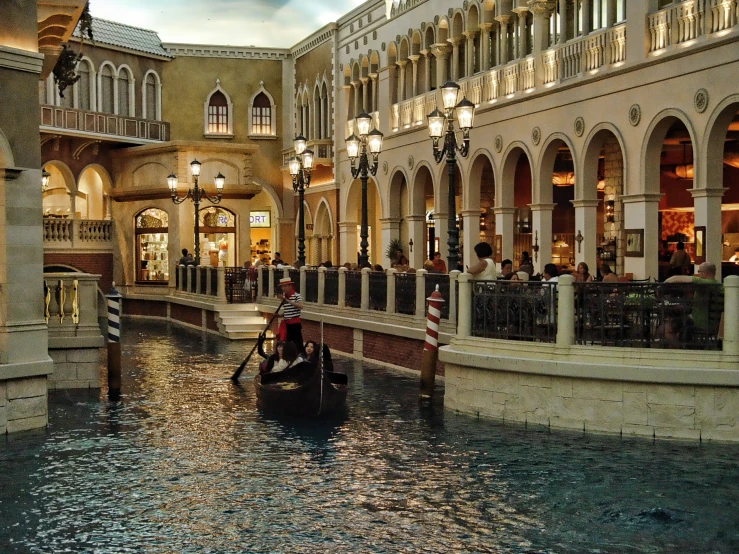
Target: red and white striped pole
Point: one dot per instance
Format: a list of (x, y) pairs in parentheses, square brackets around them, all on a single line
[(431, 346)]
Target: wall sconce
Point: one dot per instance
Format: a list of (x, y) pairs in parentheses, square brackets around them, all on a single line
[(535, 247), (410, 245), (610, 211), (483, 221), (579, 238)]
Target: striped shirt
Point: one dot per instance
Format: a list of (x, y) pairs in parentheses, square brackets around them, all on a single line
[(291, 312)]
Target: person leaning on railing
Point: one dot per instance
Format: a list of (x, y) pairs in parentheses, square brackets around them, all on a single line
[(484, 269), (708, 302)]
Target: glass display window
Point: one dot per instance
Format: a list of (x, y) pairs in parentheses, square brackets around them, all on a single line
[(217, 237), (152, 240)]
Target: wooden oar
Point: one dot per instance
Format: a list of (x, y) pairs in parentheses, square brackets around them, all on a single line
[(237, 373)]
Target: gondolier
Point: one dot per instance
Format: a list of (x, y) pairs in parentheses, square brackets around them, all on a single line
[(291, 313)]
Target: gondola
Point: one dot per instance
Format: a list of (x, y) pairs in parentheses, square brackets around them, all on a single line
[(302, 390)]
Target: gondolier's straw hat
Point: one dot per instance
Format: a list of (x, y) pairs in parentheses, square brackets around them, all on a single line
[(286, 281)]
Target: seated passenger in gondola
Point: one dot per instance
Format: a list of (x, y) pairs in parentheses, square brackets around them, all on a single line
[(284, 356), (310, 353)]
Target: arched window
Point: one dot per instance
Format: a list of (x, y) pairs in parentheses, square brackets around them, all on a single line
[(151, 97), (124, 84), (106, 89), (218, 113), (261, 115), (152, 241), (84, 86)]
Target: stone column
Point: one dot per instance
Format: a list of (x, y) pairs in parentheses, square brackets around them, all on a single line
[(439, 51), (417, 232), (355, 94), (470, 235), (504, 20), (565, 311), (365, 95), (641, 212), (505, 225), (321, 285), (401, 81), (373, 101), (364, 296), (541, 223), (414, 85), (707, 205), (469, 52), (342, 287), (586, 221), (390, 306), (563, 15), (464, 324), (390, 230), (348, 242), (485, 46), (731, 316), (542, 9), (521, 42), (441, 226), (421, 293), (455, 57)]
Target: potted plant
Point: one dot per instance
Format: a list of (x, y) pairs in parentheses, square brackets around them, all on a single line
[(392, 248)]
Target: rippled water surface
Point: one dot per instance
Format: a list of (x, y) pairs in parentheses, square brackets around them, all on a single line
[(185, 463)]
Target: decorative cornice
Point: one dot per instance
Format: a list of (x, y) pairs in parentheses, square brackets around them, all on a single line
[(163, 193), (708, 192), (21, 60), (215, 51), (585, 203), (315, 40)]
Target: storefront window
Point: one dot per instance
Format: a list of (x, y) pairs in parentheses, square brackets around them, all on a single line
[(217, 237), (152, 238)]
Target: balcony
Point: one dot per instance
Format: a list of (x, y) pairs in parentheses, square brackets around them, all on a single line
[(686, 22), (323, 153), (118, 128), (66, 234)]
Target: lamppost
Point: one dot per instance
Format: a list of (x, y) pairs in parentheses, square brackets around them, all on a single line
[(300, 168), (196, 194), (442, 124), (357, 147)]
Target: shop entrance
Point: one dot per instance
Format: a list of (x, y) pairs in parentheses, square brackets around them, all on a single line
[(217, 237)]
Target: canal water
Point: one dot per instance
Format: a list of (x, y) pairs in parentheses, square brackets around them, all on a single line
[(185, 463)]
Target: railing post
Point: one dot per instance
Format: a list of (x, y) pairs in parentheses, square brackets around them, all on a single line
[(364, 302), (421, 293), (453, 278), (390, 307), (221, 272), (565, 310), (181, 281), (342, 288), (731, 315), (190, 280), (303, 287), (260, 283), (321, 285), (198, 279), (208, 281), (271, 288), (286, 272), (464, 325)]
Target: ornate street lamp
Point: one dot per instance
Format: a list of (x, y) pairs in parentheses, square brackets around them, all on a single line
[(300, 168), (196, 194), (442, 124), (357, 147), (45, 176)]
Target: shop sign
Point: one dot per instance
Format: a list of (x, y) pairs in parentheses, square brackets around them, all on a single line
[(260, 219)]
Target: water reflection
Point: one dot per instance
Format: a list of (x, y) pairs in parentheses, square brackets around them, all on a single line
[(185, 463)]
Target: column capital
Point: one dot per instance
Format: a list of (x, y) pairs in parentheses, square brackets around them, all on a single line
[(542, 8), (585, 203), (471, 34), (542, 207), (415, 218), (347, 224), (485, 26), (401, 63), (633, 198), (454, 41), (439, 49), (467, 213), (364, 80), (504, 211), (708, 192), (414, 58), (390, 222), (504, 19)]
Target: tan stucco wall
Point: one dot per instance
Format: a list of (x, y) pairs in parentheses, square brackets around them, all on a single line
[(19, 116), (18, 28), (190, 80), (313, 65)]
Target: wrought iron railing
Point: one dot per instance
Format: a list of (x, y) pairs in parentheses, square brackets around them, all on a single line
[(442, 281), (378, 290), (514, 310), (240, 285), (649, 315), (265, 281), (203, 274), (311, 285), (353, 296), (405, 293), (331, 288)]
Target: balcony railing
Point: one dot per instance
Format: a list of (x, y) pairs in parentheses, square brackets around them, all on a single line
[(690, 19), (133, 128), (64, 233), (323, 152)]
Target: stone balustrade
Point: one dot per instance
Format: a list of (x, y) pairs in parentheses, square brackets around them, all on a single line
[(66, 233)]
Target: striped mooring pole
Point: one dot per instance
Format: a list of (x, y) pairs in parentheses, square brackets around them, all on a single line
[(431, 345), (114, 343)]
